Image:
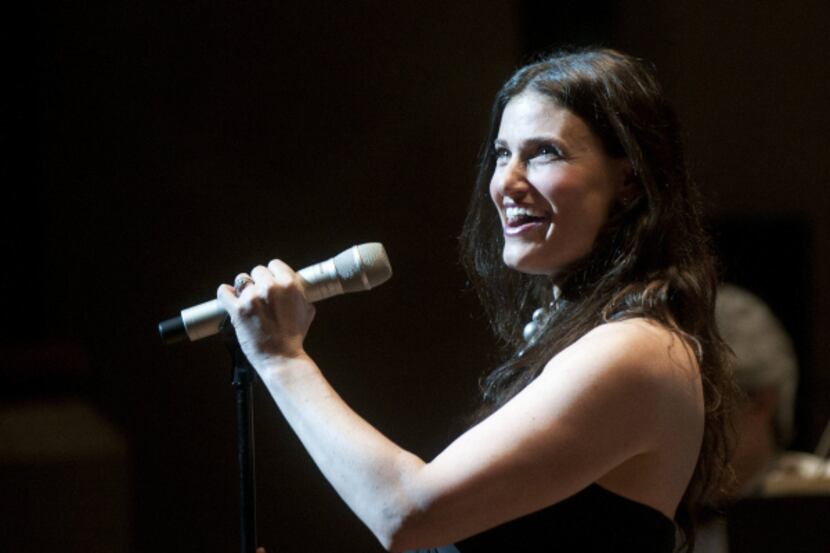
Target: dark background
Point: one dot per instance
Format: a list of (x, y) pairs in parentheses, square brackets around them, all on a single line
[(153, 150)]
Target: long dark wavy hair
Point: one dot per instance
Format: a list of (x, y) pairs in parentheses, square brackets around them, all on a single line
[(651, 259)]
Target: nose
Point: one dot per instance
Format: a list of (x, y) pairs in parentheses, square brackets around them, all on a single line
[(510, 180)]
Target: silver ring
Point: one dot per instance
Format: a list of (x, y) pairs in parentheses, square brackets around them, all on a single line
[(240, 282)]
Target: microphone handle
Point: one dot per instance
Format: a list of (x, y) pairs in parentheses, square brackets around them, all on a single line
[(203, 320)]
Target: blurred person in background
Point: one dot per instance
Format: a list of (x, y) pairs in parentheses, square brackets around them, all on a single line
[(766, 370)]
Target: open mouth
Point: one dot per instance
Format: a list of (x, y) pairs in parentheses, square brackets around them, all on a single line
[(521, 218)]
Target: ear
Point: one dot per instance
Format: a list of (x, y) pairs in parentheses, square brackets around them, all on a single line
[(628, 188)]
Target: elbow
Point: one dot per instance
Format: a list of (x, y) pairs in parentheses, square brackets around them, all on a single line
[(403, 528), (399, 542), (401, 521), (391, 544), (399, 532), (397, 548)]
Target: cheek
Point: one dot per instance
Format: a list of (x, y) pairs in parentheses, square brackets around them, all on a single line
[(576, 194), (493, 190), (557, 184)]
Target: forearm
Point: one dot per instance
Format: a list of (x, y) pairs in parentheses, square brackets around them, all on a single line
[(376, 478)]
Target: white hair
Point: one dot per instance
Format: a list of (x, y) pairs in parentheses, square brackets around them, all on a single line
[(764, 352)]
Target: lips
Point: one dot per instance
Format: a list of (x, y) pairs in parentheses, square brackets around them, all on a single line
[(520, 219)]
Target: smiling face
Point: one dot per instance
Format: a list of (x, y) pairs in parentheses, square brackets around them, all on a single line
[(553, 184)]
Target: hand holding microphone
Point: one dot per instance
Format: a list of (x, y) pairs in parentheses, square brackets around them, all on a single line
[(359, 268), (269, 311)]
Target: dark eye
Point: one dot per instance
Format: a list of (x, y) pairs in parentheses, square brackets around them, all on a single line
[(502, 154), (548, 151)]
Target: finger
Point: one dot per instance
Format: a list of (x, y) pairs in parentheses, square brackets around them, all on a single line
[(263, 278), (283, 274), (241, 281), (276, 284), (226, 295)]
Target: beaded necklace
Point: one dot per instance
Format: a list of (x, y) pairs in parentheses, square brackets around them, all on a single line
[(539, 321)]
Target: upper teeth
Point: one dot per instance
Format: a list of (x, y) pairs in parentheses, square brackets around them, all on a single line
[(513, 212)]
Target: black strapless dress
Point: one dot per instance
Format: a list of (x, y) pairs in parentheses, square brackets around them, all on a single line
[(594, 519)]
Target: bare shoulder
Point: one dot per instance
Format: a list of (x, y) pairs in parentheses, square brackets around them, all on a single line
[(641, 335), (640, 377), (636, 343), (634, 354), (618, 407)]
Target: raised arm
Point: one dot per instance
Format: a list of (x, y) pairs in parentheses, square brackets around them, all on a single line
[(612, 398)]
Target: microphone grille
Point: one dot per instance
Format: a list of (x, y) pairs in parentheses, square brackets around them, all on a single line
[(363, 267)]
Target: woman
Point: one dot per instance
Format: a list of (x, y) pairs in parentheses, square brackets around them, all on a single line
[(605, 423)]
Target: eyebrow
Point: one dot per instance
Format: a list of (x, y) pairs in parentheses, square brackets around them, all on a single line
[(534, 141)]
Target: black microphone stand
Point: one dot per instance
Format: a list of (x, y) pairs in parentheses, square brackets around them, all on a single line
[(242, 382)]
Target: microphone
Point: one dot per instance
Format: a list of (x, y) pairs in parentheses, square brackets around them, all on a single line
[(358, 268)]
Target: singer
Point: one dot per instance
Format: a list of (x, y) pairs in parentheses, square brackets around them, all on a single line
[(604, 427)]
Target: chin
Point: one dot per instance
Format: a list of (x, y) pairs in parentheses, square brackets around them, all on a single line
[(528, 265)]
